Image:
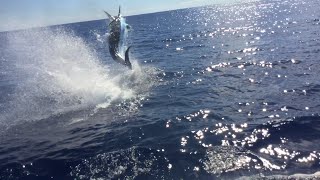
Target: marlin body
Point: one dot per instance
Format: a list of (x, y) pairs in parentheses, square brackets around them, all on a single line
[(118, 29)]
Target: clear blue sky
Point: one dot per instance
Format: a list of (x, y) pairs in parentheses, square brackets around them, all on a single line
[(17, 14)]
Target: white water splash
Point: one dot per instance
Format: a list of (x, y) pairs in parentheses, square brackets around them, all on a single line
[(57, 73)]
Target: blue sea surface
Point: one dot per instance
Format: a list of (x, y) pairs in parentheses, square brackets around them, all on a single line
[(216, 92)]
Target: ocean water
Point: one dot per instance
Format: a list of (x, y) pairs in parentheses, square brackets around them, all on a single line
[(217, 92)]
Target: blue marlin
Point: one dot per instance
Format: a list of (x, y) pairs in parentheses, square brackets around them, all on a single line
[(117, 38)]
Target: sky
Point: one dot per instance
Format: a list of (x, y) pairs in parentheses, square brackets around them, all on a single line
[(20, 14)]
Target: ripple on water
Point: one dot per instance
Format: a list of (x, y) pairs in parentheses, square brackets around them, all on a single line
[(233, 149), (132, 163)]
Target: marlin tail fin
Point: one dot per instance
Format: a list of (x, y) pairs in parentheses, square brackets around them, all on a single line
[(126, 60)]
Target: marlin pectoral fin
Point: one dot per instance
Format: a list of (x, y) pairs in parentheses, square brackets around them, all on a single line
[(109, 16), (126, 60)]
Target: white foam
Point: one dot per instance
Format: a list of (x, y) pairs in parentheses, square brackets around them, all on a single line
[(315, 175), (57, 72)]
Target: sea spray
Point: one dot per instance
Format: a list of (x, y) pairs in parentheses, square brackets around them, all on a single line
[(59, 73)]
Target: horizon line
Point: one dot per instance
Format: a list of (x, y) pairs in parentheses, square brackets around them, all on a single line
[(89, 20)]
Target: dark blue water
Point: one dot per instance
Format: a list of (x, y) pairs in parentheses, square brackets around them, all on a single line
[(218, 92)]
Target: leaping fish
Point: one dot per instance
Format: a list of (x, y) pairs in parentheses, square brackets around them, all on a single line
[(117, 39)]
